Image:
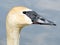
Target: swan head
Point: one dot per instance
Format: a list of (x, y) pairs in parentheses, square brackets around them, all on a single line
[(23, 16)]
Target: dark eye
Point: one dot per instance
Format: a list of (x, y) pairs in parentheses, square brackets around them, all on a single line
[(24, 12)]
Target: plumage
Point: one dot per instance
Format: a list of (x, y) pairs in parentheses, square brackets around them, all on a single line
[(17, 18)]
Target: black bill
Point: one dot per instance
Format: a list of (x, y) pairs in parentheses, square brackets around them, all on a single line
[(38, 19)]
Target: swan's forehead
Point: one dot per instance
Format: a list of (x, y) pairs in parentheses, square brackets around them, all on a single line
[(19, 11), (26, 9)]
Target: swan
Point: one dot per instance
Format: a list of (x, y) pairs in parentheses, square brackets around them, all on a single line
[(19, 17)]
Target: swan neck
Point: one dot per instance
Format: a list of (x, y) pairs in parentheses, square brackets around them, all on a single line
[(13, 35)]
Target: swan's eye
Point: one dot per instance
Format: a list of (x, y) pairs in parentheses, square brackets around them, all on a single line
[(24, 12)]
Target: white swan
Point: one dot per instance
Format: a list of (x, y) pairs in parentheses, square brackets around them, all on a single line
[(17, 18)]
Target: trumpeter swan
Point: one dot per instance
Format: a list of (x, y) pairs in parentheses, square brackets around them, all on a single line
[(17, 18)]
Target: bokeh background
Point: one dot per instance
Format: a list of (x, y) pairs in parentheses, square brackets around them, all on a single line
[(34, 34)]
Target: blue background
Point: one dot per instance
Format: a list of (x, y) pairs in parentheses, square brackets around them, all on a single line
[(34, 34)]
